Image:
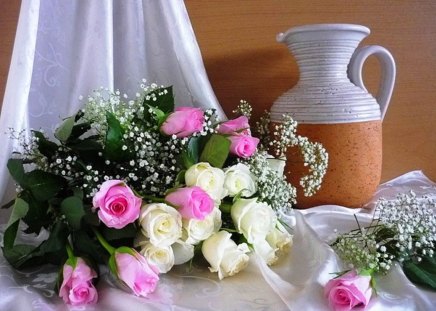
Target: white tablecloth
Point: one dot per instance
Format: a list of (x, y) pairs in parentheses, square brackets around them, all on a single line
[(295, 283)]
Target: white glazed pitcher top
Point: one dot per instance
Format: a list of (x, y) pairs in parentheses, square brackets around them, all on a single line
[(299, 33), (326, 55)]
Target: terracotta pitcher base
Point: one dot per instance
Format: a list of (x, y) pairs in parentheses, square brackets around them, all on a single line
[(355, 161)]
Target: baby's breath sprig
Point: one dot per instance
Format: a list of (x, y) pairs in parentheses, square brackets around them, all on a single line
[(243, 109), (272, 187), (316, 158), (276, 138), (402, 230)]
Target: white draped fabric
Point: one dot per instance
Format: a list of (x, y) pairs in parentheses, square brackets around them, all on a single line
[(65, 49), (295, 283)]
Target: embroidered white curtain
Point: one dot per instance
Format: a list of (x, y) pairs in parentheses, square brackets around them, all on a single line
[(64, 49)]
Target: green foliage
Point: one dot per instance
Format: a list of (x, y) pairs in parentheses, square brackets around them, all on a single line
[(422, 273), (164, 102), (72, 208), (190, 155), (44, 185), (45, 146), (114, 138), (51, 250), (64, 131), (16, 169), (216, 150), (84, 244)]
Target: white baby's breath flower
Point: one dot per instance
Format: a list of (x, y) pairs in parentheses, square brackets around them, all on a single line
[(402, 230)]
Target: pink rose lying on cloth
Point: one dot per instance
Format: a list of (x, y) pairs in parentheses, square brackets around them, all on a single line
[(118, 205), (236, 126), (191, 202), (243, 146), (77, 287), (183, 122), (348, 291), (134, 271)]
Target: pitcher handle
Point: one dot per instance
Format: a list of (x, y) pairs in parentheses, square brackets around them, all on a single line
[(387, 73)]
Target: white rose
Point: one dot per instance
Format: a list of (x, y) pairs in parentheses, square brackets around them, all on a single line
[(183, 252), (161, 223), (195, 230), (161, 256), (224, 256), (239, 178), (208, 178), (265, 251), (253, 219), (279, 238)]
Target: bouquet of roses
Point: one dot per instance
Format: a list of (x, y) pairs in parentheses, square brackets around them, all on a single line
[(142, 186)]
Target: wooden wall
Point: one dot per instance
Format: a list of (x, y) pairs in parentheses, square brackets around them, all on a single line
[(9, 10), (243, 60)]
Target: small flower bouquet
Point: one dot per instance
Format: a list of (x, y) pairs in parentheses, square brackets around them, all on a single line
[(142, 186), (402, 231)]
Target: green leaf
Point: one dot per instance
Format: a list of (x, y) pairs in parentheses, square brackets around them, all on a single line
[(72, 208), (37, 215), (159, 115), (114, 138), (44, 185), (45, 146), (63, 132), (78, 193), (51, 250), (164, 102), (422, 273), (191, 154), (18, 255), (84, 244), (128, 232), (91, 217), (78, 130), (16, 169), (180, 178), (89, 144), (10, 234), (216, 150), (19, 211), (56, 241)]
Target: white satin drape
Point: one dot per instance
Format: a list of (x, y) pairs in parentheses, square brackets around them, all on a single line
[(64, 49)]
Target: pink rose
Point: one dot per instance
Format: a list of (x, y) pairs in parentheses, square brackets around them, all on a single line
[(243, 146), (348, 291), (118, 205), (183, 122), (191, 202), (134, 271), (236, 126), (77, 287)]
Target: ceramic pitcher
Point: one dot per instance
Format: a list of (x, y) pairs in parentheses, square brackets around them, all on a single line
[(333, 107)]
